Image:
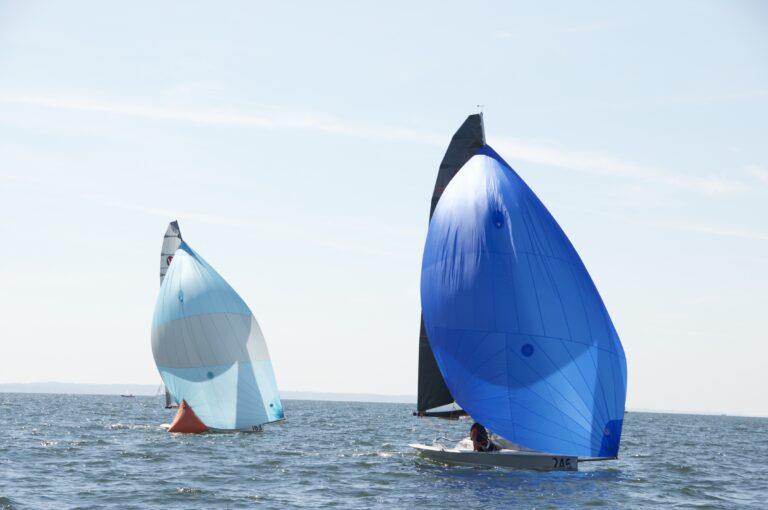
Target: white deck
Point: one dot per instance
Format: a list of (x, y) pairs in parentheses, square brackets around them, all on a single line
[(512, 459)]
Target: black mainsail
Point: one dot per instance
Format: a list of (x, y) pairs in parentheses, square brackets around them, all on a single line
[(432, 391)]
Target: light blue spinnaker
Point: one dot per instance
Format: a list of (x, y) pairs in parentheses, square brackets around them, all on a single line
[(209, 348), (518, 329)]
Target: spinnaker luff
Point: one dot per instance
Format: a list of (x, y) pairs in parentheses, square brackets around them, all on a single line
[(209, 349), (517, 327)]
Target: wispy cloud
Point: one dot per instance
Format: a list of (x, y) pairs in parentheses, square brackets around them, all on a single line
[(676, 225), (552, 155), (758, 172), (320, 235), (603, 164), (274, 118), (726, 231)]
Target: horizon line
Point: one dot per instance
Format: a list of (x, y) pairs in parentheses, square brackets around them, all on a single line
[(389, 396)]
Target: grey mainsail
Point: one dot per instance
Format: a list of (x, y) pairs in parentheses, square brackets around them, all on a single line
[(171, 242), (432, 391)]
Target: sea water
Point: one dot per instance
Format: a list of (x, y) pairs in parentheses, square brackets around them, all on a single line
[(82, 451)]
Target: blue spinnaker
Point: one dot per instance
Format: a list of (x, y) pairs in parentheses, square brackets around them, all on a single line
[(518, 329), (209, 348)]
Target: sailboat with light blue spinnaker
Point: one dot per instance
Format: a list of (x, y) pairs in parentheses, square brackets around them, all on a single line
[(210, 350)]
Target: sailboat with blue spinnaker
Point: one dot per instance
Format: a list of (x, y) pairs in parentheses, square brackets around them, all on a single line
[(519, 333)]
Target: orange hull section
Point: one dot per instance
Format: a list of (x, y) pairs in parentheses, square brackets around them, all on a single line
[(186, 421)]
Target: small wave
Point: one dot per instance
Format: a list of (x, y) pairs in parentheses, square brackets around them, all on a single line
[(678, 468), (383, 454), (189, 490), (130, 426)]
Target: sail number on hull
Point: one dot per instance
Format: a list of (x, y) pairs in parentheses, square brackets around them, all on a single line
[(562, 463)]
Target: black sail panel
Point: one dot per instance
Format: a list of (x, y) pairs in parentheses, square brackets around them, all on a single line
[(465, 143), (432, 391)]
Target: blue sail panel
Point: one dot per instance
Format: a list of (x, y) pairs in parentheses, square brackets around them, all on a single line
[(227, 397), (517, 327), (210, 350), (194, 289)]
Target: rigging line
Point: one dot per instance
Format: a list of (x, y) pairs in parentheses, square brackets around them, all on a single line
[(568, 381), (552, 390), (548, 337), (458, 355), (509, 393), (195, 263), (538, 302), (556, 291), (486, 335), (466, 388), (177, 284), (610, 333), (549, 401), (486, 380), (208, 317), (530, 203), (217, 295), (578, 264), (536, 294), (587, 384), (235, 302), (558, 425), (256, 336), (540, 433)]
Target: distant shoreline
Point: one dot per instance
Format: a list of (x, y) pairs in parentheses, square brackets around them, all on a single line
[(149, 390)]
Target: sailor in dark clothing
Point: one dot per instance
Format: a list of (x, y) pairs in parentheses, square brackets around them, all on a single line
[(480, 439)]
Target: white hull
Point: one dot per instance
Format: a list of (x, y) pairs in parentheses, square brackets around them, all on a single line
[(256, 428), (166, 426), (511, 459)]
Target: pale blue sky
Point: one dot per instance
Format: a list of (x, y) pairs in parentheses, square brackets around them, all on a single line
[(298, 146)]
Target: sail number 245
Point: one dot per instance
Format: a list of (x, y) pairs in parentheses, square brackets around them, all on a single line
[(564, 463)]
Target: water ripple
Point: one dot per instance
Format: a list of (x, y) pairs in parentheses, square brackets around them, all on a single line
[(109, 452)]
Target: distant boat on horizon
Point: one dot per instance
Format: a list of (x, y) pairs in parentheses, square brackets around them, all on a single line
[(514, 330), (128, 395), (208, 347)]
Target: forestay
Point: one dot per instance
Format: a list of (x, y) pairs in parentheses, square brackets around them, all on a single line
[(209, 348), (518, 329)]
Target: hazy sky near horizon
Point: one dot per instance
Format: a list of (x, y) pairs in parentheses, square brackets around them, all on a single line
[(298, 143)]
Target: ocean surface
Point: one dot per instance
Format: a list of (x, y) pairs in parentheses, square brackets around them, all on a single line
[(82, 451)]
